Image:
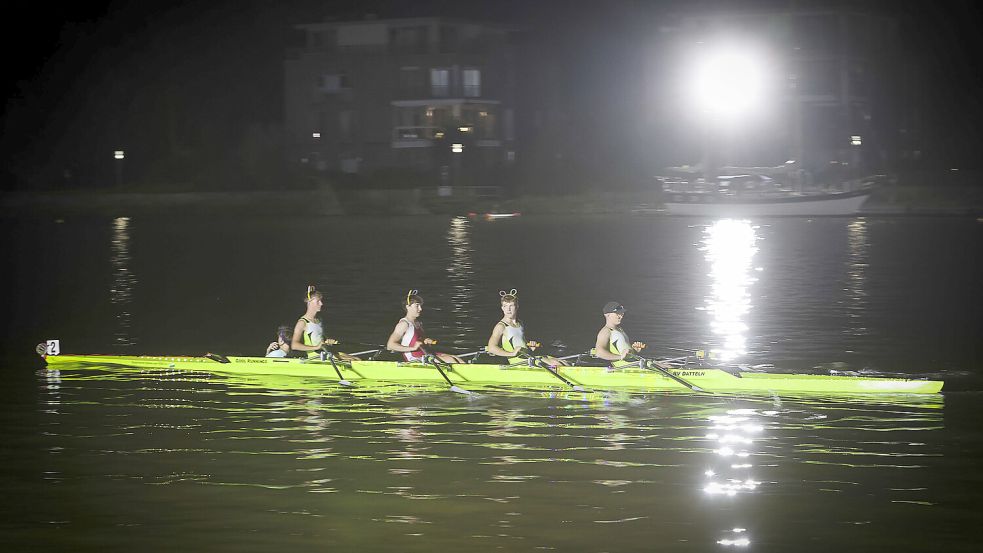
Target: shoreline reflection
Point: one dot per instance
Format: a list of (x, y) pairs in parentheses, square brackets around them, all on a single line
[(121, 292), (856, 289)]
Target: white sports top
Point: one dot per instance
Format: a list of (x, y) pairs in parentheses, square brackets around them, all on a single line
[(619, 343), (313, 332), (513, 337)]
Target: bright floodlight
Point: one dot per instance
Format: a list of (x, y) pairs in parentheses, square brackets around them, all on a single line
[(728, 83)]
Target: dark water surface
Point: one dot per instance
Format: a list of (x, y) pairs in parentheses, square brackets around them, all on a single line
[(162, 461)]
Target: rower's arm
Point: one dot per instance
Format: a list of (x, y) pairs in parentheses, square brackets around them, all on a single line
[(297, 342), (392, 344), (495, 343), (602, 344)]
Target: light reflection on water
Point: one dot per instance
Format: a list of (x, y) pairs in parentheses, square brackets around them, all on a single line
[(460, 271), (729, 245), (121, 292), (733, 435), (857, 264), (510, 466)]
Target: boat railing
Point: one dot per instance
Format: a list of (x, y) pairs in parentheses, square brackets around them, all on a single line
[(749, 187)]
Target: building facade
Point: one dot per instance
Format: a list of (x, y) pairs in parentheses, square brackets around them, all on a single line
[(432, 96)]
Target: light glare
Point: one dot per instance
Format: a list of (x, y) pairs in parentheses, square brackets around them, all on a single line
[(728, 83)]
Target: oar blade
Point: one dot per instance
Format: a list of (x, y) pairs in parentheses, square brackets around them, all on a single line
[(436, 362)]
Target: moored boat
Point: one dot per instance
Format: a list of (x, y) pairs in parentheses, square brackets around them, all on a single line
[(761, 191), (622, 376), (803, 205)]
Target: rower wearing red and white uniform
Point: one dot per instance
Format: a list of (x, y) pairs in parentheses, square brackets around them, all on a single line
[(408, 338)]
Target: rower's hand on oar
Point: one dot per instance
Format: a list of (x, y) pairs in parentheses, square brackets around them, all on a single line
[(638, 346), (533, 345), (272, 347), (425, 342), (524, 353)]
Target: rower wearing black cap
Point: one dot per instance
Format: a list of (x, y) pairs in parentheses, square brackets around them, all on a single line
[(612, 342)]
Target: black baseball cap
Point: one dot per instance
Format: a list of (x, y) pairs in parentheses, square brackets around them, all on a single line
[(613, 307)]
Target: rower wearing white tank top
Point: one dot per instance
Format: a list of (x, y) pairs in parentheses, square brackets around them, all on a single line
[(612, 342), (508, 337), (308, 333)]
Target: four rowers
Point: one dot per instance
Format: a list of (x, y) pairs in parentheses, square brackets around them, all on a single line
[(507, 338)]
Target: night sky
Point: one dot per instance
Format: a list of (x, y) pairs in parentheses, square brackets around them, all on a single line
[(87, 73)]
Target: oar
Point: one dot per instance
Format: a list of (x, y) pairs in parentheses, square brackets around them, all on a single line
[(651, 364), (555, 372), (361, 345), (436, 362), (330, 357), (704, 353), (470, 354)]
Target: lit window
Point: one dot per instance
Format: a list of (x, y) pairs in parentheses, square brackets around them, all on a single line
[(472, 82), (440, 82)]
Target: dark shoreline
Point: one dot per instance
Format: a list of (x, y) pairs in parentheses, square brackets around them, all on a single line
[(897, 201)]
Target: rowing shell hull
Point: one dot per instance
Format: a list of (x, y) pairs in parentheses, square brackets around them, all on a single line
[(601, 378)]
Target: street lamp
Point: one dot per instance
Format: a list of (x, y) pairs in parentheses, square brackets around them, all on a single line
[(119, 155)]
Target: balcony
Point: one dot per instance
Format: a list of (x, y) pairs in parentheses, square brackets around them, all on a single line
[(415, 137)]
